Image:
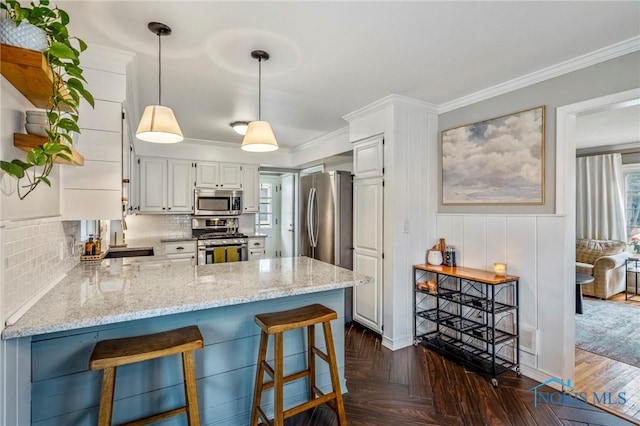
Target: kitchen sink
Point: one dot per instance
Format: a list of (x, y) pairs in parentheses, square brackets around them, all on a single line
[(129, 252)]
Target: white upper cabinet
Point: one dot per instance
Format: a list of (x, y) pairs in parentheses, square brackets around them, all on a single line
[(166, 186), (251, 188), (153, 185), (219, 175), (368, 159), (180, 186)]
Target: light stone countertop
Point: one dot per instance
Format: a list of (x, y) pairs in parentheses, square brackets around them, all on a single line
[(117, 290)]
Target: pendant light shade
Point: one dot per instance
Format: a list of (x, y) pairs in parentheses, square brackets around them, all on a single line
[(158, 123), (259, 136)]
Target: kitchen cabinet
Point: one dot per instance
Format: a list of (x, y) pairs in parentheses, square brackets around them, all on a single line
[(251, 188), (368, 160), (468, 315), (256, 247), (368, 226), (218, 175), (166, 186), (181, 252)]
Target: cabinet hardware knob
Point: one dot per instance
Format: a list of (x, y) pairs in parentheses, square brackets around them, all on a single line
[(179, 248)]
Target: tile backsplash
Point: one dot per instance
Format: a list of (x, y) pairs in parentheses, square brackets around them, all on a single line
[(161, 225), (172, 226), (36, 252)]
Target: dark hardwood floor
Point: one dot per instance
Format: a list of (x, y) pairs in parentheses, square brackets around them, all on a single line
[(415, 386)]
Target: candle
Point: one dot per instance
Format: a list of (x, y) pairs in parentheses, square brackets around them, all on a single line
[(500, 268)]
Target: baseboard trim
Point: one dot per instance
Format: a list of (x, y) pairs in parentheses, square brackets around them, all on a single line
[(395, 344)]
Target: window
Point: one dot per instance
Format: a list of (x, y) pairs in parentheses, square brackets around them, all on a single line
[(264, 219), (632, 199), (88, 227)]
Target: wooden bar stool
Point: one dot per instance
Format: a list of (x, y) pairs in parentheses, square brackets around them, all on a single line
[(109, 354), (277, 323)]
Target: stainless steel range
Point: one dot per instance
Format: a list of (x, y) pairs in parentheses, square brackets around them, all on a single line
[(219, 240)]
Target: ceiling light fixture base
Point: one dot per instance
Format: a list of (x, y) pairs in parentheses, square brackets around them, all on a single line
[(260, 55), (159, 29)]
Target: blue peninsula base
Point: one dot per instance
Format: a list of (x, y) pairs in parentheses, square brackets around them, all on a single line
[(65, 392)]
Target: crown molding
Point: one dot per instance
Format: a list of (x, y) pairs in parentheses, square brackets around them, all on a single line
[(322, 138), (391, 100), (106, 59), (601, 55), (220, 144)]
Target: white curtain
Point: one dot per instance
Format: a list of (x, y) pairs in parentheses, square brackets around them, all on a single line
[(600, 198)]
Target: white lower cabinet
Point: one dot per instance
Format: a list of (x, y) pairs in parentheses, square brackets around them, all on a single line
[(181, 252), (256, 248)]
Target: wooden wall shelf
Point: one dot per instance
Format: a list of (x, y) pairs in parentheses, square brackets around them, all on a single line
[(30, 73), (28, 142)]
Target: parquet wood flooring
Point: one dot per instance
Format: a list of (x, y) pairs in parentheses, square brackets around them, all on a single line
[(415, 386), (597, 373)]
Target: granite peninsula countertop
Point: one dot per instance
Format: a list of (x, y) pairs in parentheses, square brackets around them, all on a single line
[(117, 290)]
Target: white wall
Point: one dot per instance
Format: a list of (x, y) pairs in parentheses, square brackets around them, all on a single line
[(44, 201), (409, 128), (532, 247)]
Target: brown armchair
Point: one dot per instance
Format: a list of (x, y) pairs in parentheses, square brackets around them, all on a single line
[(605, 260)]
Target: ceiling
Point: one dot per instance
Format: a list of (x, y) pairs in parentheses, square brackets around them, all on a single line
[(615, 125), (331, 58)]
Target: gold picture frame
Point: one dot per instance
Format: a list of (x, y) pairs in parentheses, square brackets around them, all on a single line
[(499, 161)]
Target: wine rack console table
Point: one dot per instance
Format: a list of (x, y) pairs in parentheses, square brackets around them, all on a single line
[(468, 315)]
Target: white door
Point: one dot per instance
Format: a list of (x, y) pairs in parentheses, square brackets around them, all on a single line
[(287, 230), (153, 184), (230, 176), (367, 254), (180, 187), (207, 175), (250, 185), (268, 220)]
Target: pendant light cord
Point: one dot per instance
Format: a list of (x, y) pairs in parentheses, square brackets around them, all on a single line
[(159, 68), (259, 89)]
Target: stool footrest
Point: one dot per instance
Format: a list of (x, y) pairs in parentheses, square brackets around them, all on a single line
[(157, 417), (290, 378), (321, 354), (310, 404)]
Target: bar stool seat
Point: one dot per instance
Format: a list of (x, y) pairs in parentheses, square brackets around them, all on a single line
[(276, 323), (107, 355)]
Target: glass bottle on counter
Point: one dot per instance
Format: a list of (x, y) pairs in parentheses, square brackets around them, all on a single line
[(98, 245), (89, 246)]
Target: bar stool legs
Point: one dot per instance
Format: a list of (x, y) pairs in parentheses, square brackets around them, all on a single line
[(277, 323), (109, 354)]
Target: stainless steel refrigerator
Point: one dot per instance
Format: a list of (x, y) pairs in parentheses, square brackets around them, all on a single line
[(326, 219)]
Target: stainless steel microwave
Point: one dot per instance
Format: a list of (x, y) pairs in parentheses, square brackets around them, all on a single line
[(216, 202)]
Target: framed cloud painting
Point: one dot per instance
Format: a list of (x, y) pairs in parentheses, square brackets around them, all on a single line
[(497, 161)]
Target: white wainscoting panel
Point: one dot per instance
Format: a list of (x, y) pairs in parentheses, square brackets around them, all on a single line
[(532, 246), (551, 252), (474, 242), (496, 240), (521, 261)]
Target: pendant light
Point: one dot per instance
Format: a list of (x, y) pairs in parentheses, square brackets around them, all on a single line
[(158, 123), (259, 136)]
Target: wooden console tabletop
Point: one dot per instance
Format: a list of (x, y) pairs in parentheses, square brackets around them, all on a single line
[(480, 275)]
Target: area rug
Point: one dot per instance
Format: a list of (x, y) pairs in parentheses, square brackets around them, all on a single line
[(610, 329)]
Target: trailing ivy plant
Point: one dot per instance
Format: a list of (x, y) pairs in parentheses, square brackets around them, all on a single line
[(62, 54)]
